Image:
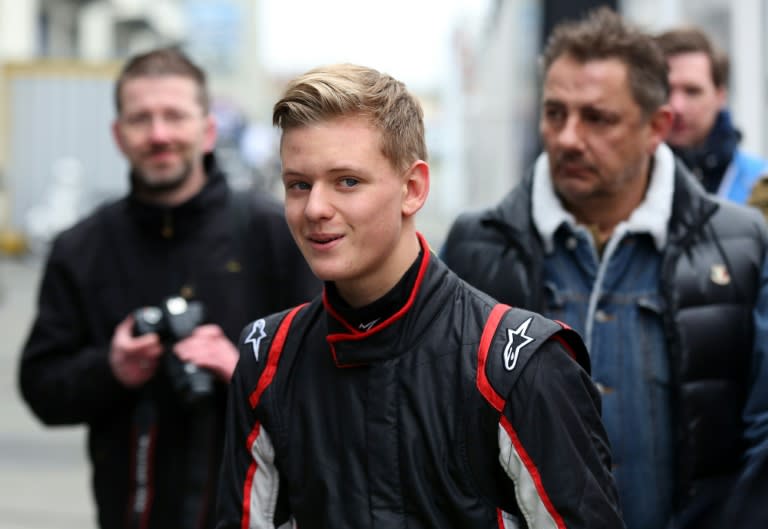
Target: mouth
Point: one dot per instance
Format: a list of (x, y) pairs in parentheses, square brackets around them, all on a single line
[(323, 239), (678, 123), (678, 127), (572, 169), (160, 155)]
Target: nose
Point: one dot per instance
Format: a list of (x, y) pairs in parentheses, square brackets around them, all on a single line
[(158, 130), (677, 101), (319, 205), (570, 135)]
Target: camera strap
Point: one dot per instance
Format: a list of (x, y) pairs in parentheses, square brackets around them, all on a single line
[(200, 465), (142, 462), (194, 484)]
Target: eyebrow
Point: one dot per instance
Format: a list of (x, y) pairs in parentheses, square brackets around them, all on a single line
[(338, 169), (594, 107)]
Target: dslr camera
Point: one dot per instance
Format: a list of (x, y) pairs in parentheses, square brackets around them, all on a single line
[(174, 320)]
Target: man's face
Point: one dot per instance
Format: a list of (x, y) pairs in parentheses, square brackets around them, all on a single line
[(347, 207), (596, 137), (694, 98), (163, 132)]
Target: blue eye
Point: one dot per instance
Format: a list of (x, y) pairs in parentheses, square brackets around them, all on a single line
[(301, 186), (349, 182)]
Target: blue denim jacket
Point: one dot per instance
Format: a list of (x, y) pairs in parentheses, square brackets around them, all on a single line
[(616, 301)]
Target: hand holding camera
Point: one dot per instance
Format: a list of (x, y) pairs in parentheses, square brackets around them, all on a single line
[(174, 322), (133, 360), (209, 347)]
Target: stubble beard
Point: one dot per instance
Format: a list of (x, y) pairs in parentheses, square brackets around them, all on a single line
[(153, 185)]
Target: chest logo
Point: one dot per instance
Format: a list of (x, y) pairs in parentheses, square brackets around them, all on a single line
[(516, 340), (719, 275), (368, 326), (255, 336)]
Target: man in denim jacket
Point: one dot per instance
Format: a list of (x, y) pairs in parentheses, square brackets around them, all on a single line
[(612, 235)]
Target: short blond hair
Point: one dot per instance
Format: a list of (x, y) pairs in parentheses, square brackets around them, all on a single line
[(340, 90)]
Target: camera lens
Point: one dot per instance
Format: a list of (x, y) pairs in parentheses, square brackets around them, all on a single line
[(151, 315)]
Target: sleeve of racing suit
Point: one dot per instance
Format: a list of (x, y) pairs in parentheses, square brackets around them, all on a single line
[(249, 482), (554, 448)]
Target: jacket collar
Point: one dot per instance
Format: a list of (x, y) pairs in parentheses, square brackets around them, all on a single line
[(651, 215), (512, 218), (710, 160), (392, 336), (692, 206)]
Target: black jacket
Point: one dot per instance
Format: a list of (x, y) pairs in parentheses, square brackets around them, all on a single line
[(499, 251), (423, 421), (127, 255)]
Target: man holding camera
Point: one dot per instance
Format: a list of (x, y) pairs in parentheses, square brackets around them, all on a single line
[(140, 303)]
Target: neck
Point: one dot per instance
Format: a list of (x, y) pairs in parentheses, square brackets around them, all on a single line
[(602, 213), (359, 293), (602, 216)]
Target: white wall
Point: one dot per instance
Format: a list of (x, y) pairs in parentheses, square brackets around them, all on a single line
[(18, 20)]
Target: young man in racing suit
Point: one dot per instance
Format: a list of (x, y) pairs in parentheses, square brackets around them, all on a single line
[(401, 397)]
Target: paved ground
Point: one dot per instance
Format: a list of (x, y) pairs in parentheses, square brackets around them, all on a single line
[(44, 475)]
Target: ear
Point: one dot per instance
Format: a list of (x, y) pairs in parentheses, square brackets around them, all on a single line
[(210, 133), (658, 127), (415, 187), (118, 136), (722, 95)]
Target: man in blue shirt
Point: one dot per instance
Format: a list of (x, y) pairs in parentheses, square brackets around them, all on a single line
[(702, 132)]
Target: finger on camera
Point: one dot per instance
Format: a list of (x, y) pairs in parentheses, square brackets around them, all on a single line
[(208, 330)]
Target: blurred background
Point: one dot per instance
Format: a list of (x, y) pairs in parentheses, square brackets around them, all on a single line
[(473, 64)]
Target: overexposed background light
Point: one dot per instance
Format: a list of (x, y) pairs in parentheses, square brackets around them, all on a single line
[(409, 39)]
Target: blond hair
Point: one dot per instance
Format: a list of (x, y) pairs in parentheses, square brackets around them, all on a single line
[(342, 90)]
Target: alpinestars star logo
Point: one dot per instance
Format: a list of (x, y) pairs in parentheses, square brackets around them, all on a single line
[(517, 335), (255, 336)]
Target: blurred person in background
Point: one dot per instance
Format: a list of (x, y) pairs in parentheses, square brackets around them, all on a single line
[(401, 397), (702, 133), (759, 195), (141, 301), (667, 284)]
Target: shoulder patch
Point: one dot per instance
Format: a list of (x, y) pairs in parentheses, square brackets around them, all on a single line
[(516, 340), (255, 335), (509, 339), (273, 356)]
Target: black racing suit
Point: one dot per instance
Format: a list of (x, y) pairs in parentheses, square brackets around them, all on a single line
[(425, 420), (126, 255)]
